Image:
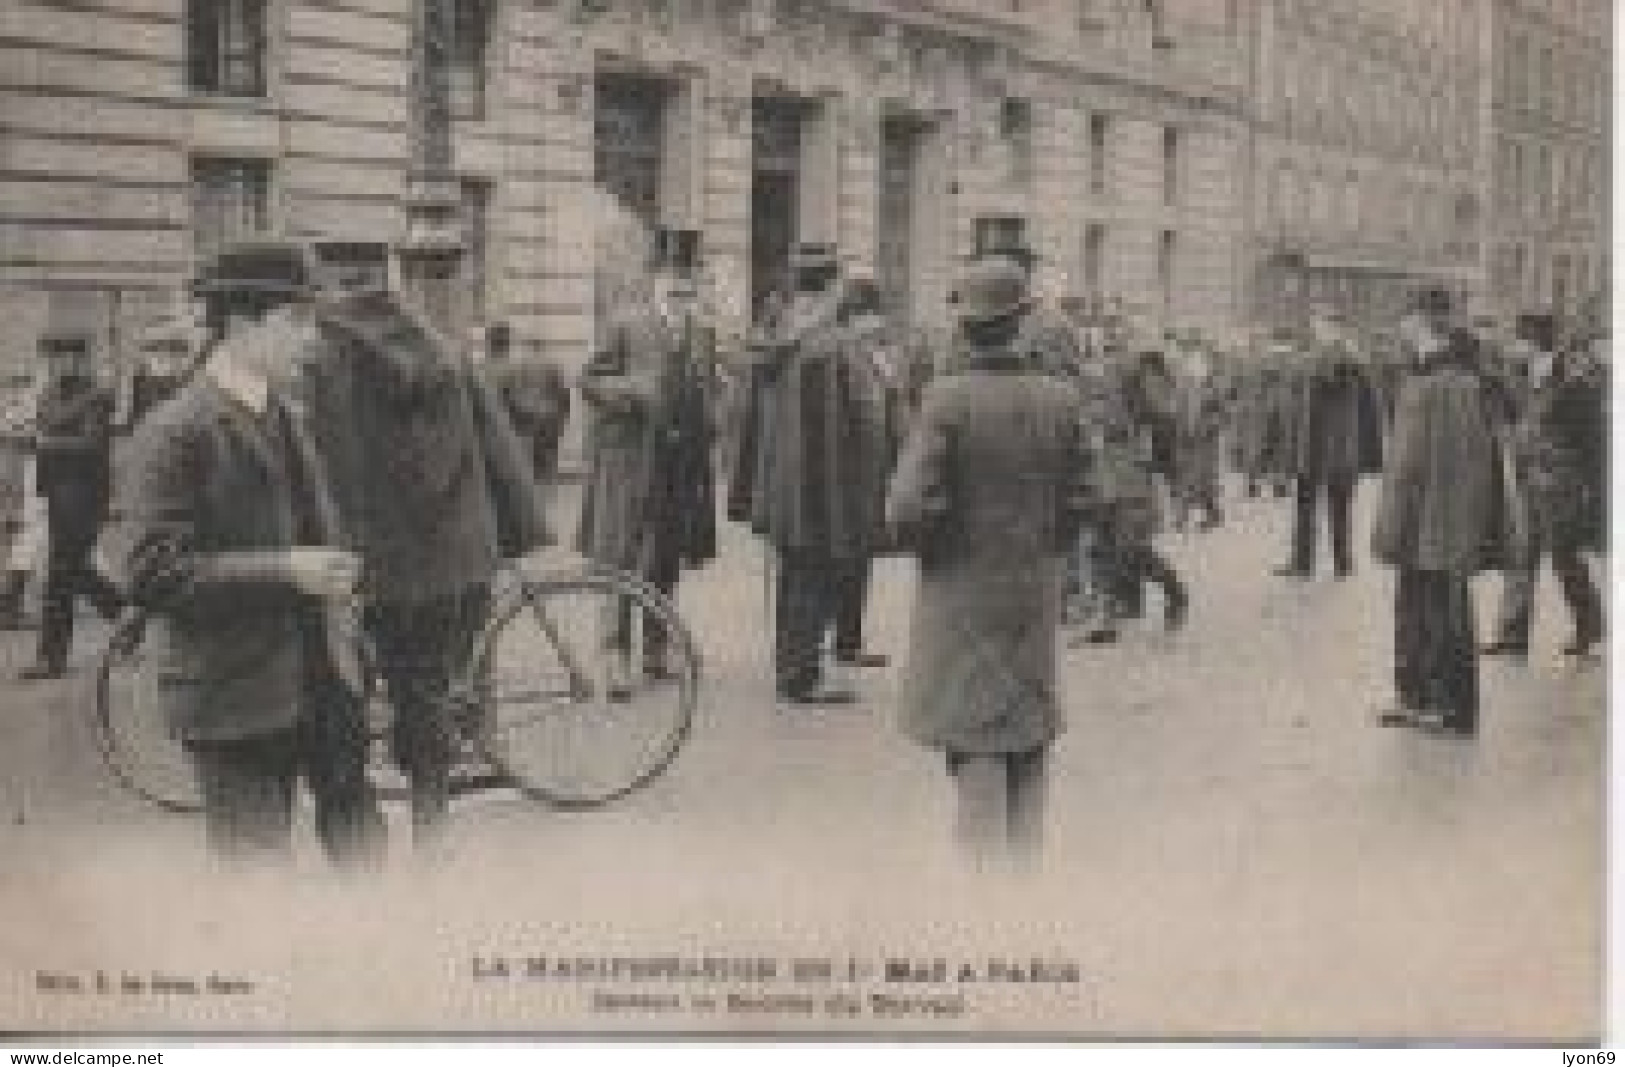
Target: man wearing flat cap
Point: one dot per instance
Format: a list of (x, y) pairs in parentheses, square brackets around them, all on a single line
[(989, 493)]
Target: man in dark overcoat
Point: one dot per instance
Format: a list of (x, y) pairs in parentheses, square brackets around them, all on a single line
[(1336, 438), (436, 491), (226, 530), (811, 501), (1442, 518), (73, 474), (650, 505), (1559, 450), (991, 487)]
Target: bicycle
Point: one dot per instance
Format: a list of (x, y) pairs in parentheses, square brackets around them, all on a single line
[(537, 713)]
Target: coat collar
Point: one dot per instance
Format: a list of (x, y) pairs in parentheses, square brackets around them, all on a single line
[(232, 415)]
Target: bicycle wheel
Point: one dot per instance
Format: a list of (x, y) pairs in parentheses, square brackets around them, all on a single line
[(541, 669), (131, 735)]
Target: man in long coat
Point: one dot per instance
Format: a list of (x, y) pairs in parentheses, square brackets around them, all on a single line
[(73, 474), (650, 505), (992, 484), (1441, 519), (811, 500), (1337, 437), (436, 491)]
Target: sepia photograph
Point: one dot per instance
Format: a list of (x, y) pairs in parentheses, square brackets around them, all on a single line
[(1023, 520)]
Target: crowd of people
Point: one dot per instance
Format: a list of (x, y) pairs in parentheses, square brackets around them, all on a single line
[(305, 447)]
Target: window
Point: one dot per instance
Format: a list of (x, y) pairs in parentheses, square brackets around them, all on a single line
[(476, 196), (226, 47), (471, 35), (1170, 165), (1517, 179), (1094, 259), (1016, 127), (231, 200), (1099, 131), (1167, 248)]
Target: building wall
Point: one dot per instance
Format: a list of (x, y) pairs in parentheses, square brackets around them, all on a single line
[(1367, 152), (1549, 121), (101, 131)]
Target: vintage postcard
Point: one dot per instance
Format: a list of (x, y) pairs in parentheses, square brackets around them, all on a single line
[(1067, 519)]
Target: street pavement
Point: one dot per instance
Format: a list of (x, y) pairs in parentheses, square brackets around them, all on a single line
[(1235, 849)]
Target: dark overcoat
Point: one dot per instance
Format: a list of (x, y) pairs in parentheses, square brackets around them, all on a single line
[(650, 484), (73, 445), (432, 483), (206, 499), (1444, 503), (990, 490), (820, 442), (1561, 451), (1337, 418)]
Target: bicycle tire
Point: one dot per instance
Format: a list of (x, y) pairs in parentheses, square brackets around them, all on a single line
[(683, 658), (116, 758)]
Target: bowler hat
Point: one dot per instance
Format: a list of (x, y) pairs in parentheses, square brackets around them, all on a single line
[(272, 267), (991, 289), (1538, 329)]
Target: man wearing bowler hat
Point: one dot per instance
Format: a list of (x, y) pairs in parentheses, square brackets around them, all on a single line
[(228, 533), (650, 497)]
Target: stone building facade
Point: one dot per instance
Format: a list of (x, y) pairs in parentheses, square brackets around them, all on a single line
[(137, 134), (1547, 246), (1368, 155)]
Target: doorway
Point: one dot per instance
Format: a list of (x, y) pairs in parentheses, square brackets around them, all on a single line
[(775, 192), (901, 140)]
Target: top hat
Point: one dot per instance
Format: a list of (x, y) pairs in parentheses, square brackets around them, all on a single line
[(271, 267), (813, 255), (678, 252), (990, 289)]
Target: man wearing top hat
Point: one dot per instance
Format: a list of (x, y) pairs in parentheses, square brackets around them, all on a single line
[(808, 499), (72, 445), (650, 496)]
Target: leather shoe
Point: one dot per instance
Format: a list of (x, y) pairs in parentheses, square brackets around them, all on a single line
[(1581, 645), (820, 695), (41, 672), (1503, 647), (1290, 572), (1399, 717)]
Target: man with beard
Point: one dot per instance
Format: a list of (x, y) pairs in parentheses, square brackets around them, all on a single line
[(650, 499), (436, 490), (73, 474), (808, 501)]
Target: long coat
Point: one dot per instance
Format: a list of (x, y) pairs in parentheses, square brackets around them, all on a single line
[(207, 496), (1444, 505), (650, 486), (1336, 427), (432, 483), (991, 487), (73, 444), (821, 446), (1561, 452)]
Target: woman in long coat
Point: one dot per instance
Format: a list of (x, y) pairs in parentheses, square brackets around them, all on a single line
[(1442, 518), (988, 493)]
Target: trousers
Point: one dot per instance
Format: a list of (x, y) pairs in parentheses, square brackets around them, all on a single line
[(851, 601), (805, 607), (1001, 804), (69, 573), (1517, 613), (248, 786), (1339, 493), (423, 647), (1435, 651)]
